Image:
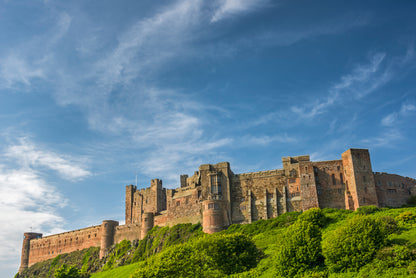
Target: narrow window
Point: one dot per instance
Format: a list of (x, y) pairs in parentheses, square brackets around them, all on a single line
[(306, 168), (338, 168), (365, 189), (334, 182), (364, 200), (363, 178), (341, 178)]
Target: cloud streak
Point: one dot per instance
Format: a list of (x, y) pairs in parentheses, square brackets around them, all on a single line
[(28, 155)]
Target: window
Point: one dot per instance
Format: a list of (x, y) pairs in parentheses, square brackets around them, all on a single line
[(211, 206), (391, 190), (178, 203), (365, 189), (215, 184), (364, 200), (334, 182), (364, 180), (341, 178), (145, 220), (339, 191), (318, 189), (306, 168), (338, 168)]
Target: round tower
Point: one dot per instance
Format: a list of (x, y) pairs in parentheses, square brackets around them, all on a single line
[(213, 216), (107, 235), (147, 223), (24, 263)]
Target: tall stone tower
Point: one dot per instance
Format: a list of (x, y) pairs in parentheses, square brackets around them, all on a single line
[(360, 185), (24, 263)]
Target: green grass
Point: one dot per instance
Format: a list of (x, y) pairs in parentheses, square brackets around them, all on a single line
[(119, 272)]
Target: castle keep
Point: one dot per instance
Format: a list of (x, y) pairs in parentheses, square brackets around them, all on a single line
[(217, 198)]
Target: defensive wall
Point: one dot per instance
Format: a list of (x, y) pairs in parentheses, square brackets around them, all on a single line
[(217, 198)]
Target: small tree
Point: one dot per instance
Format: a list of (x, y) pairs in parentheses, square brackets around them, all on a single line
[(300, 248), (354, 244), (67, 272)]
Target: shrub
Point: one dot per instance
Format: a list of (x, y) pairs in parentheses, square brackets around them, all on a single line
[(300, 249), (314, 216), (210, 256), (67, 272), (406, 217), (365, 210), (354, 244)]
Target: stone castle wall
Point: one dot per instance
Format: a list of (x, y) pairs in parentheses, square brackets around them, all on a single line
[(51, 246), (392, 189), (217, 198)]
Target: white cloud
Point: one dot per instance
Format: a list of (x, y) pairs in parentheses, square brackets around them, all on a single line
[(16, 70), (27, 203), (265, 139), (29, 155), (227, 8), (385, 140), (404, 111), (363, 80)]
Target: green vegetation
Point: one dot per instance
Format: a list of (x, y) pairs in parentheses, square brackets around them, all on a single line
[(325, 243)]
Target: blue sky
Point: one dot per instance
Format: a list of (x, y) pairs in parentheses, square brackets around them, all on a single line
[(93, 91)]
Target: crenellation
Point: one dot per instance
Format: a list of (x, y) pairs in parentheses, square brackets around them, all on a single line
[(217, 198)]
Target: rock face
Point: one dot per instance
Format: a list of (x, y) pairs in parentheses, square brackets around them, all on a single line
[(217, 198)]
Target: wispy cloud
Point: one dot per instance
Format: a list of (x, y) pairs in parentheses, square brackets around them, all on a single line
[(26, 202), (30, 156), (16, 71), (392, 118), (227, 8), (266, 140), (363, 80), (388, 139)]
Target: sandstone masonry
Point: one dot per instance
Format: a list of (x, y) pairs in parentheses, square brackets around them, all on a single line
[(217, 198)]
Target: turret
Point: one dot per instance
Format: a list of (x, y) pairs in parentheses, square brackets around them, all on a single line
[(24, 263), (147, 223), (107, 236), (213, 218)]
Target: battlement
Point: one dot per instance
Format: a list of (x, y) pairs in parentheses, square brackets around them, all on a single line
[(295, 159), (261, 174)]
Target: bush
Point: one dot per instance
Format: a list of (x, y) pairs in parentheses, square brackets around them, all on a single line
[(354, 244), (210, 256), (314, 216), (406, 217), (367, 210), (300, 248), (68, 272)]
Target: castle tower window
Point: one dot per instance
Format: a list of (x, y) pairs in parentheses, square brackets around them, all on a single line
[(341, 178), (334, 182), (338, 168), (215, 184), (364, 179)]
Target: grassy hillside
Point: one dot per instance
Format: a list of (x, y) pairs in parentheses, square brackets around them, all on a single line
[(330, 243)]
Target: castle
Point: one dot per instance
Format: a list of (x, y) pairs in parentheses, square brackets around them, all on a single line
[(217, 198)]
